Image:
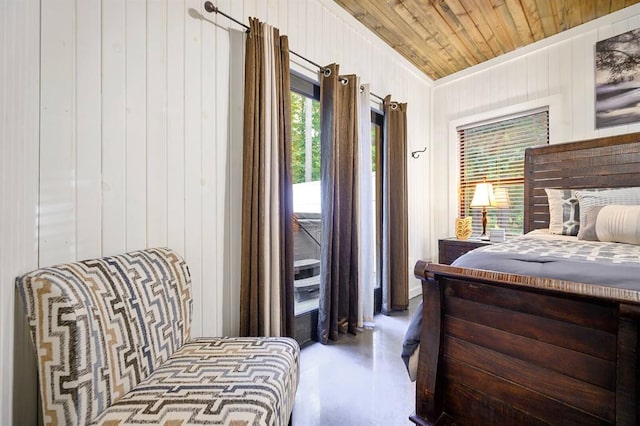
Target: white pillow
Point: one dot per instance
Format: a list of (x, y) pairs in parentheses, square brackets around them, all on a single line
[(591, 198), (613, 223)]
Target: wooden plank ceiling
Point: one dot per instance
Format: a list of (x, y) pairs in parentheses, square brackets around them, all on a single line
[(442, 37)]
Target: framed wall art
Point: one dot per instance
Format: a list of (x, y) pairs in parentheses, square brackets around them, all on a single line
[(618, 80)]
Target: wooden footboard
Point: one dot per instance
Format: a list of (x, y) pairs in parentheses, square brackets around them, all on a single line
[(506, 349)]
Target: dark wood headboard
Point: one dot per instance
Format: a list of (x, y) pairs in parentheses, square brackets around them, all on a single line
[(609, 162)]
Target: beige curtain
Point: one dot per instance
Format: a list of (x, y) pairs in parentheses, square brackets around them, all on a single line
[(266, 293), (395, 262), (338, 305), (366, 243)]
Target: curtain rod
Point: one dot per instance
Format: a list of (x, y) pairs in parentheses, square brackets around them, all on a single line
[(211, 8), (379, 97)]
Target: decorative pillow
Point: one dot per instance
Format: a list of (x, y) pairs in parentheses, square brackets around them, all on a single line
[(564, 212), (588, 227), (614, 223), (592, 198)]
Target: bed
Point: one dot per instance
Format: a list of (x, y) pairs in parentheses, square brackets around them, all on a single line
[(512, 348)]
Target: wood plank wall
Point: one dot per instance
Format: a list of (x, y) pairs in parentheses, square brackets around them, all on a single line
[(19, 71), (561, 66), (139, 136)]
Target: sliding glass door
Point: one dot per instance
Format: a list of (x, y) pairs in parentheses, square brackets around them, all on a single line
[(377, 121), (307, 226), (307, 208)]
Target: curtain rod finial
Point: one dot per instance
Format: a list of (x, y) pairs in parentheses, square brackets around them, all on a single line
[(209, 7)]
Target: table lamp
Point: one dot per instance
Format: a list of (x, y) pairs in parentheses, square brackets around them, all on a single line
[(483, 197), (501, 195)]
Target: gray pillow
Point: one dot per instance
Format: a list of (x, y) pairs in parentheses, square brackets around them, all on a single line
[(588, 228), (591, 198)]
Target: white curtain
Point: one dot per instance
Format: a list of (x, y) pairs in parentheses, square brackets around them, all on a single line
[(366, 254), (271, 297)]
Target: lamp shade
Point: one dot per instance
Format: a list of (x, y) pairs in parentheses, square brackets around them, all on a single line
[(502, 197), (483, 196)]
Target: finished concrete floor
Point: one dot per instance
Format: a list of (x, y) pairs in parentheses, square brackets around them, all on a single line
[(359, 380)]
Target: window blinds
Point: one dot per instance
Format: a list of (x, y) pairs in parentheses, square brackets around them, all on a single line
[(495, 151)]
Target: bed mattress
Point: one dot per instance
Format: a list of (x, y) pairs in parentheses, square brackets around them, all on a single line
[(566, 258)]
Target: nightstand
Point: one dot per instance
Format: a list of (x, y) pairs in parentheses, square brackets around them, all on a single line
[(452, 248)]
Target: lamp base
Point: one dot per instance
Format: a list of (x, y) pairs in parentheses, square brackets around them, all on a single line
[(484, 237)]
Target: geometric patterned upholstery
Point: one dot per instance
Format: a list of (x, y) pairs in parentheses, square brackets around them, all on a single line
[(239, 381), (109, 333)]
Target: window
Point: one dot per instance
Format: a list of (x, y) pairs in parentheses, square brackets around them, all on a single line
[(494, 151), (307, 193), (377, 121), (305, 130)]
